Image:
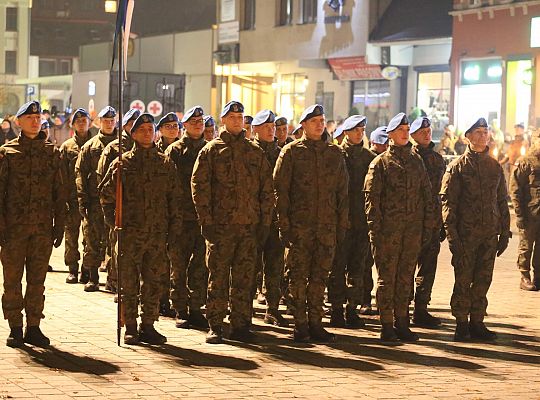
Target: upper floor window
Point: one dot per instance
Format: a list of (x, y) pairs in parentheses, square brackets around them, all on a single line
[(11, 19), (309, 11), (248, 15), (285, 12)]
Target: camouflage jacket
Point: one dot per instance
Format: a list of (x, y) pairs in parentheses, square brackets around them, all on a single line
[(150, 192), (357, 160), (435, 167), (33, 188), (232, 182), (86, 169), (69, 151), (162, 145), (397, 191), (110, 152), (525, 185), (311, 185), (473, 196), (271, 150), (183, 153)]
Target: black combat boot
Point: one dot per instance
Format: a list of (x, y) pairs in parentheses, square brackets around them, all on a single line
[(182, 319), (73, 272), (462, 333), (215, 335), (479, 331), (403, 332), (274, 317), (165, 309), (85, 276), (423, 318), (15, 338), (33, 335), (131, 336), (352, 320), (243, 334), (197, 319), (337, 319), (388, 334), (93, 282), (318, 334), (148, 334), (526, 283), (301, 333)]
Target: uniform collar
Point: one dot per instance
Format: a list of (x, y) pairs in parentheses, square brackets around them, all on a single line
[(228, 137)]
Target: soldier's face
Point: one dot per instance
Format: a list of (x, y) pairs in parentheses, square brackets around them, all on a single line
[(265, 132), (145, 135), (170, 130), (233, 122), (129, 125), (81, 125), (479, 138), (194, 127), (106, 125), (281, 133), (422, 136), (209, 132), (314, 127), (30, 124), (355, 135), (400, 135)]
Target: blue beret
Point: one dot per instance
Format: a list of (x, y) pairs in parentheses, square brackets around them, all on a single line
[(248, 119), (142, 119), (170, 117), (209, 121), (263, 117), (232, 106), (32, 107), (312, 111), (281, 121), (338, 132), (107, 112), (196, 111), (379, 135), (132, 114), (481, 123), (45, 124), (353, 121), (419, 123), (298, 128), (79, 113), (398, 120)]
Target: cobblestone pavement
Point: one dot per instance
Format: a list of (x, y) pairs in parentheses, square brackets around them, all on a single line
[(84, 360)]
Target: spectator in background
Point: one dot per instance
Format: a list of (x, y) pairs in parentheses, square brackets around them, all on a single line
[(7, 132), (461, 145), (516, 149), (446, 147), (331, 126)]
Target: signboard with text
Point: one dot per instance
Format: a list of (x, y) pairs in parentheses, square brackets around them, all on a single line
[(355, 68)]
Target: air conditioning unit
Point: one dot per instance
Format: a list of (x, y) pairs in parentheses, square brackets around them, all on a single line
[(475, 3)]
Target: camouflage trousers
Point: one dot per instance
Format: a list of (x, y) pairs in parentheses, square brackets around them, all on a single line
[(473, 273), (425, 275), (94, 233), (142, 263), (346, 283), (230, 258), (528, 251), (72, 230), (111, 258), (368, 279), (28, 247), (395, 257), (270, 262), (309, 261), (189, 276)]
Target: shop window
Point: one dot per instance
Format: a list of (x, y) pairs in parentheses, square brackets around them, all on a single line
[(309, 11), (372, 99), (248, 15), (285, 12), (11, 19), (11, 62), (292, 100), (433, 98)]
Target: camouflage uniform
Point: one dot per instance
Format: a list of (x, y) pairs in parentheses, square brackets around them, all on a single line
[(69, 152), (347, 276), (270, 254), (475, 211), (232, 191), (400, 218), (189, 276), (525, 193), (32, 213), (427, 260), (87, 180), (151, 218), (162, 144), (312, 206)]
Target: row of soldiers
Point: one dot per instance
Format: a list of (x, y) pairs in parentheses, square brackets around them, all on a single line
[(324, 211)]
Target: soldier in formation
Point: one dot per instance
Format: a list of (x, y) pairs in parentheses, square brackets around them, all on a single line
[(169, 128)]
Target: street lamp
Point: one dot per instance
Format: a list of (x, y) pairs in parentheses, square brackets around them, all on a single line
[(110, 6)]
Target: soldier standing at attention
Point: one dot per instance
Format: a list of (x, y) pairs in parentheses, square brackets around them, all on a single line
[(524, 190), (169, 127), (94, 232), (32, 219), (270, 251), (477, 222), (248, 119), (232, 191), (282, 132), (313, 212), (209, 128), (69, 151), (347, 276), (152, 220), (427, 260), (189, 277), (400, 220)]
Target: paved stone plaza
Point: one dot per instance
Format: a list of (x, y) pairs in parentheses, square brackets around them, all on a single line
[(84, 360)]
